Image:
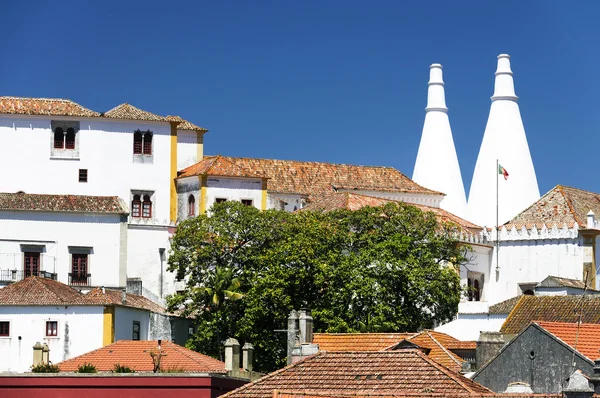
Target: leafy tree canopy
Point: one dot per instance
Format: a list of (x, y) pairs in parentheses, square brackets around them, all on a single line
[(377, 269)]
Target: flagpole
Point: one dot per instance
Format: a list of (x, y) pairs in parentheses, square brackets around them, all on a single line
[(497, 221)]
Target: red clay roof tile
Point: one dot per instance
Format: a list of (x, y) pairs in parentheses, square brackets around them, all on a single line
[(358, 341), (62, 203), (587, 337), (43, 106)]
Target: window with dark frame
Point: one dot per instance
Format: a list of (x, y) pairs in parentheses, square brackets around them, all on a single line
[(79, 269), (83, 175), (220, 200), (137, 143), (51, 328), (142, 142), (136, 206), (147, 207), (247, 202), (191, 206), (31, 263), (70, 138), (59, 138), (4, 328), (136, 331)]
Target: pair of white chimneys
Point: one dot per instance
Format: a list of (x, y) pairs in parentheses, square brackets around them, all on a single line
[(504, 142)]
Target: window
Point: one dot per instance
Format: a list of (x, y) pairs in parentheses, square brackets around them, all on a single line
[(474, 286), (247, 202), (142, 142), (147, 207), (220, 200), (4, 328), (83, 175), (191, 206), (136, 206), (70, 138), (79, 269), (136, 331), (51, 329), (59, 138), (31, 263), (65, 138)]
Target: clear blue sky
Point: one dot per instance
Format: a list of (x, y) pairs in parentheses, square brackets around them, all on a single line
[(335, 81)]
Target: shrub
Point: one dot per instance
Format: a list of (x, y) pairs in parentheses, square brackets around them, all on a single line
[(172, 369), (86, 368), (45, 368), (118, 368)]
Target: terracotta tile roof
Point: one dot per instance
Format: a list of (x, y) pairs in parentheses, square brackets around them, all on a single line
[(219, 166), (357, 341), (43, 106), (436, 342), (184, 124), (588, 336), (504, 307), (136, 355), (354, 201), (41, 291), (302, 394), (356, 373), (561, 205), (66, 203), (551, 309), (115, 297), (318, 178), (130, 112), (555, 281)]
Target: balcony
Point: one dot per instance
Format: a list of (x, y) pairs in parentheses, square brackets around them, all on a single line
[(80, 279), (14, 275)]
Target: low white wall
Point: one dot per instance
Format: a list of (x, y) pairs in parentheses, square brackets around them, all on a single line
[(79, 331), (468, 326), (233, 189)]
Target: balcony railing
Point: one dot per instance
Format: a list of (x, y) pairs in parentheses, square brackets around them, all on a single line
[(80, 279), (14, 275)]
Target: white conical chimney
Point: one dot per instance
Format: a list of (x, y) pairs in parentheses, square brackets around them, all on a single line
[(504, 141), (437, 165)]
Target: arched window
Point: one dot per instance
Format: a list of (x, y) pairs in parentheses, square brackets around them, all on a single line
[(59, 138), (136, 206), (470, 289), (147, 207), (191, 206), (148, 143), (70, 138), (476, 290), (137, 143)]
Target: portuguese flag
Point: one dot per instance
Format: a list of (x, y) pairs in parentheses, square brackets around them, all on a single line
[(502, 170)]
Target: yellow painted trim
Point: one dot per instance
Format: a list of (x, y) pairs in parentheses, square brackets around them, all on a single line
[(173, 174), (108, 327), (202, 194), (263, 205), (199, 146)]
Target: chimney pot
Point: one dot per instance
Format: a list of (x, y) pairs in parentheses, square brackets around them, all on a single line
[(292, 334), (591, 219), (247, 351), (37, 353), (232, 355), (123, 297)]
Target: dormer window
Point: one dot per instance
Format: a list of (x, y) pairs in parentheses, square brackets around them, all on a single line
[(142, 142), (65, 139)]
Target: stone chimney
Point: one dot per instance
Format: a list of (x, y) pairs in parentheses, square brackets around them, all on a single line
[(124, 297), (292, 334), (578, 387), (305, 321), (591, 220), (45, 353), (488, 345), (134, 286), (437, 164), (504, 141), (247, 351), (518, 387), (232, 355), (37, 354)]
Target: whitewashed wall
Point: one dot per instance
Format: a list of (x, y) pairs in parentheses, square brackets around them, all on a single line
[(292, 202), (56, 232), (479, 261), (187, 148), (468, 326), (233, 189), (421, 199), (79, 331), (124, 317), (186, 187)]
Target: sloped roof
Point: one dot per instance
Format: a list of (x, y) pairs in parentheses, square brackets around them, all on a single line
[(587, 337), (43, 106), (353, 201), (184, 124), (551, 309), (556, 281), (115, 297), (357, 341), (318, 178), (504, 307), (218, 166), (41, 291), (301, 394), (62, 203), (136, 355), (436, 342), (561, 205), (355, 373), (130, 112)]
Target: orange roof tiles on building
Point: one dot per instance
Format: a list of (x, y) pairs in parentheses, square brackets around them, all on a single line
[(184, 124), (559, 206), (436, 342), (115, 297), (317, 178), (551, 309), (136, 355), (130, 112), (356, 373), (43, 106), (587, 337), (220, 166), (63, 203), (358, 341), (301, 394)]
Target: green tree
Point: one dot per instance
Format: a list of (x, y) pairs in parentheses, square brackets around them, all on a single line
[(374, 269)]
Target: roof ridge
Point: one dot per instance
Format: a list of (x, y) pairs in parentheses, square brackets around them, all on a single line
[(314, 162), (512, 312), (570, 205), (443, 348)]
